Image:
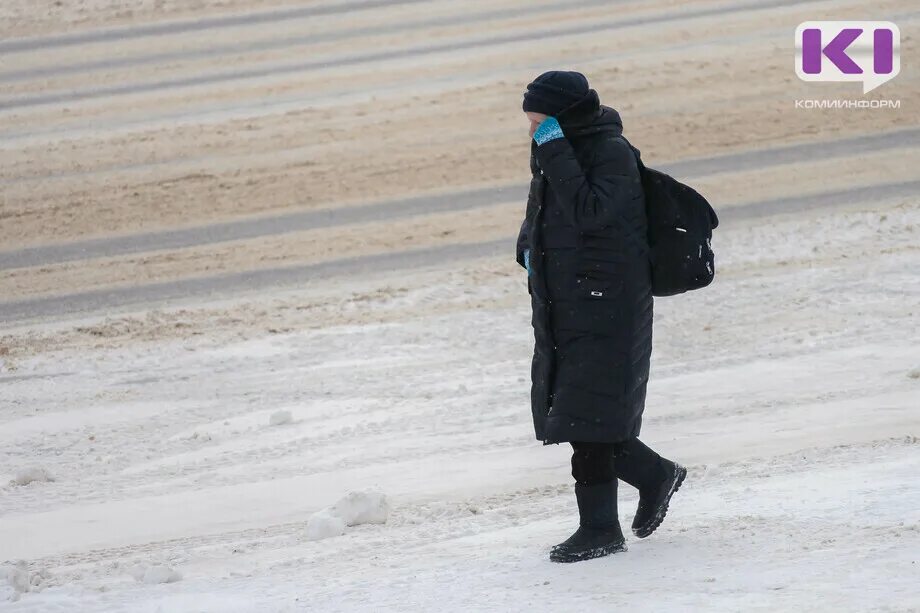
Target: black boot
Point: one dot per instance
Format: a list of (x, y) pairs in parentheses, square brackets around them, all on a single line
[(656, 479), (599, 531), (653, 504)]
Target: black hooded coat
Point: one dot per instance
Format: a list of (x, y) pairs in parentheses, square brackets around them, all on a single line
[(590, 281)]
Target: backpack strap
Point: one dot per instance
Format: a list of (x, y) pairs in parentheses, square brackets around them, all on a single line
[(645, 247)]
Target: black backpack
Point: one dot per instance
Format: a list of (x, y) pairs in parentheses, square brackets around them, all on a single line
[(680, 225)]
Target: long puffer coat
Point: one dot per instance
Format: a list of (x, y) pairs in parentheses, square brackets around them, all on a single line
[(590, 281)]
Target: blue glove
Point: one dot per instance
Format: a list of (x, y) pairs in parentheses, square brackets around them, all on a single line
[(548, 130), (527, 261)]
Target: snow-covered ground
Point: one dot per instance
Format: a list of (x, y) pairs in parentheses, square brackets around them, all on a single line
[(182, 475), (204, 437)]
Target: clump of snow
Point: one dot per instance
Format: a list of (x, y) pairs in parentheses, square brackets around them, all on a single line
[(137, 571), (19, 580), (155, 574), (279, 418), (356, 508), (325, 524), (161, 574), (367, 507), (7, 593), (32, 474), (915, 373)]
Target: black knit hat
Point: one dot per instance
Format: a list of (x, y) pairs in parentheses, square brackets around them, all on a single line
[(554, 91)]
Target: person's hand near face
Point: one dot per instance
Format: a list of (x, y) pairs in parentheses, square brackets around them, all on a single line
[(535, 120)]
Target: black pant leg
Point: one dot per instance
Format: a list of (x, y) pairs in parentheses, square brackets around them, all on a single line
[(593, 463), (638, 465)]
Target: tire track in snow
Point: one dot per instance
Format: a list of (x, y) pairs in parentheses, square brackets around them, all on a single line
[(450, 520), (173, 292), (275, 43), (456, 201), (119, 34), (379, 56)]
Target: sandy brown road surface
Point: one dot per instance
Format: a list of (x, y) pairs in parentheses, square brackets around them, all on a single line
[(23, 18), (126, 119)]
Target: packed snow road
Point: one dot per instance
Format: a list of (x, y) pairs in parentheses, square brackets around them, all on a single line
[(788, 389), (419, 205), (214, 286), (226, 307), (140, 182)]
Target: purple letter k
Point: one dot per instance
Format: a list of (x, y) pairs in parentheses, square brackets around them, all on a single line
[(836, 51)]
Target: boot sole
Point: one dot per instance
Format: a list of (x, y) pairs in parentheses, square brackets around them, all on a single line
[(647, 530), (589, 554)]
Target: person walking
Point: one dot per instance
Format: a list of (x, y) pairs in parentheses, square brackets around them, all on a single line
[(583, 243)]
